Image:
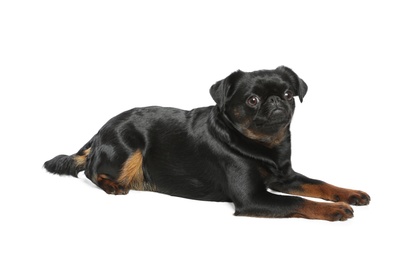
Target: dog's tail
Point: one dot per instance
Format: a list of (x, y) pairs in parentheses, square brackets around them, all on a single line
[(69, 164)]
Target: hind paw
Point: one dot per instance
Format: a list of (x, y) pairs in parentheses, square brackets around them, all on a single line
[(110, 186)]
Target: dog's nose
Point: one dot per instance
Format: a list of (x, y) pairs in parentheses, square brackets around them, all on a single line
[(273, 99)]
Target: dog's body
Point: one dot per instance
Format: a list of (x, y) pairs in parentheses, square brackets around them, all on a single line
[(233, 151)]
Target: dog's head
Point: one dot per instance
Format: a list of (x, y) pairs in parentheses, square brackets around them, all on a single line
[(260, 104)]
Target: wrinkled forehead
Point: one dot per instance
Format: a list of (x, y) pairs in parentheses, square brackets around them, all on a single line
[(265, 84)]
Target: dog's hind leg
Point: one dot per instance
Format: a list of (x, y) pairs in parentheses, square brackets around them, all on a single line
[(123, 179)]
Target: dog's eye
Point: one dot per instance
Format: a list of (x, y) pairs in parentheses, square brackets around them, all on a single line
[(253, 101), (288, 95)]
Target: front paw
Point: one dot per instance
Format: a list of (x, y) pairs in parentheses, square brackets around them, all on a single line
[(338, 211), (353, 197), (358, 198)]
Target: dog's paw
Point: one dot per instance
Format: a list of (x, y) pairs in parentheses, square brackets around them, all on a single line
[(110, 186), (337, 211), (353, 197)]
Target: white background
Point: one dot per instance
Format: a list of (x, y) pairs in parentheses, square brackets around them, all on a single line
[(66, 67)]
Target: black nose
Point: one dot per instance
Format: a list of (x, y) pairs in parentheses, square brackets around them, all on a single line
[(273, 99)]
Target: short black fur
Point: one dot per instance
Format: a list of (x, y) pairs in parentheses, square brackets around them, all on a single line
[(234, 151)]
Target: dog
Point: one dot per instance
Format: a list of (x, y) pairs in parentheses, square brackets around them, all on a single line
[(234, 152)]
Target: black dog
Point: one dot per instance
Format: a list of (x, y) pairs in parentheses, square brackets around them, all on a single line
[(233, 151)]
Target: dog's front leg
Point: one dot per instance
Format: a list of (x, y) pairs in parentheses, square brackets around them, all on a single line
[(265, 204), (286, 180), (304, 186), (251, 198), (298, 184)]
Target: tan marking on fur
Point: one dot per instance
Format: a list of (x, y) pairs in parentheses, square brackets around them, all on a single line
[(322, 191), (278, 138), (80, 160), (110, 186), (333, 193), (324, 211), (264, 174), (131, 175), (149, 187), (237, 113), (312, 210), (267, 140)]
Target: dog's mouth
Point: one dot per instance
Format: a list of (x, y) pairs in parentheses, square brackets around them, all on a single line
[(276, 112), (270, 123), (274, 119)]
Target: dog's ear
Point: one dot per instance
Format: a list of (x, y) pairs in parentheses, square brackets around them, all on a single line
[(220, 91), (299, 85)]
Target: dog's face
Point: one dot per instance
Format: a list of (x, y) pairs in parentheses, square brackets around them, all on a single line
[(260, 104)]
